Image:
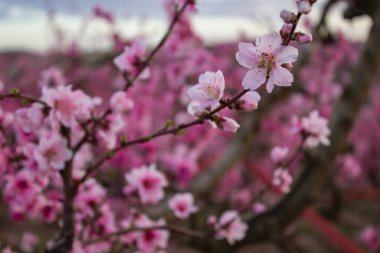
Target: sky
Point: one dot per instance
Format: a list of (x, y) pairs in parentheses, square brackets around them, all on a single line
[(24, 24)]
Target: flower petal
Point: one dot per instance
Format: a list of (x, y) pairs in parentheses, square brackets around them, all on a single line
[(270, 43), (247, 55), (282, 76), (287, 55), (254, 78)]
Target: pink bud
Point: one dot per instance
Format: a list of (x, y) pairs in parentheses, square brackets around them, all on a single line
[(303, 38), (250, 100), (285, 30), (279, 153), (258, 208), (230, 125), (211, 220), (288, 16), (304, 6)]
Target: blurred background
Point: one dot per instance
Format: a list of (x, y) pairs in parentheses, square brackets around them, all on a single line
[(28, 25)]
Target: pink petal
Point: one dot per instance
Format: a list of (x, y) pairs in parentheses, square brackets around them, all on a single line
[(287, 55), (282, 76), (270, 85), (254, 78), (247, 55), (269, 43)]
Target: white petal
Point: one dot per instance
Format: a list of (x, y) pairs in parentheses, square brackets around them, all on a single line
[(254, 78), (287, 55), (282, 76)]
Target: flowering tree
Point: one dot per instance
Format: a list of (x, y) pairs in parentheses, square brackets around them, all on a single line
[(130, 167)]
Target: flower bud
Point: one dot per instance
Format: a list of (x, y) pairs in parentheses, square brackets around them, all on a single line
[(230, 125), (285, 30), (304, 6), (250, 100), (303, 38), (288, 16)]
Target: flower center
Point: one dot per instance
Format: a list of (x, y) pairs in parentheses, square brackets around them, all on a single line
[(212, 91), (267, 61)]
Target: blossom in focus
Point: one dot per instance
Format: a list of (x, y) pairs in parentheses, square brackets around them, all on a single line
[(282, 180), (130, 60), (148, 182), (208, 91), (182, 205), (316, 130), (230, 227), (52, 151), (265, 61)]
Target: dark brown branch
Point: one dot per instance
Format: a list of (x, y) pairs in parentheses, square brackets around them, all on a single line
[(162, 132), (174, 229), (17, 95)]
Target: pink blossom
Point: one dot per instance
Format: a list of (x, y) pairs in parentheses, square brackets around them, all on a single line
[(230, 227), (264, 61), (48, 207), (150, 241), (288, 17), (182, 205), (120, 102), (148, 182), (316, 129), (91, 194), (282, 179), (303, 38), (278, 154), (371, 237), (250, 100), (258, 208), (229, 125), (109, 134), (131, 59), (208, 91), (52, 151), (68, 106), (304, 6), (52, 77), (30, 119)]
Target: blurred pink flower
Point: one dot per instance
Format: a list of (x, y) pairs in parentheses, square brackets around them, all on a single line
[(182, 204), (230, 227), (282, 179), (316, 129), (148, 182)]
